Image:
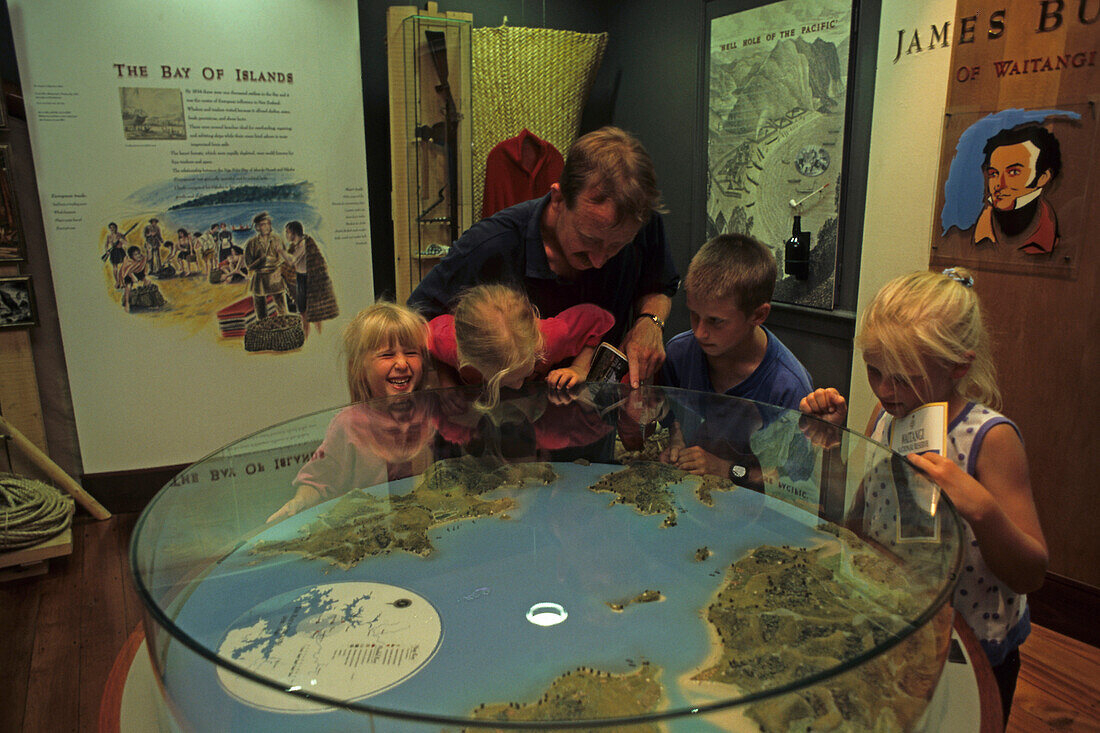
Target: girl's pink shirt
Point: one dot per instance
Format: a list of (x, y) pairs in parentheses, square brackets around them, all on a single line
[(564, 336)]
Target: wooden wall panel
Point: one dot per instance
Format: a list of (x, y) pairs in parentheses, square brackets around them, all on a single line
[(1042, 309), (19, 402), (1045, 348)]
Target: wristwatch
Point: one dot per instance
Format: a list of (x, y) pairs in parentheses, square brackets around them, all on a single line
[(737, 472), (655, 319)]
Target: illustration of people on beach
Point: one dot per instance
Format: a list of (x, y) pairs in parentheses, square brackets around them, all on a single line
[(132, 274), (114, 249), (153, 241), (315, 298), (206, 246), (257, 263)]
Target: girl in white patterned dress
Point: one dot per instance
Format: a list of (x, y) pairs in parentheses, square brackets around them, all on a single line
[(923, 340)]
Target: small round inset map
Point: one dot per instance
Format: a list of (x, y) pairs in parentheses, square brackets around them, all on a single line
[(342, 640), (812, 160)]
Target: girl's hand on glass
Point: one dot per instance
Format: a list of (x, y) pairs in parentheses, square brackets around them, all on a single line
[(564, 378)]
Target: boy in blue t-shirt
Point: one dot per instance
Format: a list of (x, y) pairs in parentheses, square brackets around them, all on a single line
[(729, 288)]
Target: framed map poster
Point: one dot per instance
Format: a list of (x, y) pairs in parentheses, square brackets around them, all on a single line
[(778, 85)]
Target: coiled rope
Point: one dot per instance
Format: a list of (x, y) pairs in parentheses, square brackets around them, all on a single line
[(30, 512)]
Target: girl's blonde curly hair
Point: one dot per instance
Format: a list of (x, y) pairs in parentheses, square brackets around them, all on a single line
[(933, 315), (497, 333)]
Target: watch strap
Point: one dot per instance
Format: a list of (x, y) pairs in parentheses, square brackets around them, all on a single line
[(654, 318)]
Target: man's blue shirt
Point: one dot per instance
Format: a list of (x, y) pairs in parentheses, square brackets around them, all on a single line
[(507, 248)]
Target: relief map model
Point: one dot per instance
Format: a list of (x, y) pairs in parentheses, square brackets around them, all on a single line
[(774, 614), (361, 525)]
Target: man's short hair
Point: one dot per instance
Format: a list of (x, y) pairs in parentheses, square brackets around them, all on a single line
[(615, 162), (733, 266), (1050, 151), (262, 216), (295, 228)]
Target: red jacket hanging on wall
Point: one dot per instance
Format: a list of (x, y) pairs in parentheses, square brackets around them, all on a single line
[(519, 169)]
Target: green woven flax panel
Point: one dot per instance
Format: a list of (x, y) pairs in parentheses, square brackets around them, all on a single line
[(538, 78)]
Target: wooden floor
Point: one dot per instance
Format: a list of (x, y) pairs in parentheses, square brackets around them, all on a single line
[(62, 631)]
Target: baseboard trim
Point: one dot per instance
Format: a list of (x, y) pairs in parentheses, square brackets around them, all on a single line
[(1067, 606), (128, 491)]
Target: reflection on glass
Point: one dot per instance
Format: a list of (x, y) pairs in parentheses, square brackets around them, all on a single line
[(717, 560)]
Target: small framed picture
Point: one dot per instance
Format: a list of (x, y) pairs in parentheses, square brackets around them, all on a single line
[(12, 247), (17, 305)]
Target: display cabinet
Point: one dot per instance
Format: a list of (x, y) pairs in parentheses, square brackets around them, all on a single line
[(430, 137), (423, 563)]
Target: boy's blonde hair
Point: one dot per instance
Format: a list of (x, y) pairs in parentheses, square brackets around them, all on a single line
[(497, 333), (733, 266), (930, 314), (379, 326)]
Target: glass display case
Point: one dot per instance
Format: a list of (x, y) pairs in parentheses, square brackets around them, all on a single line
[(430, 129), (654, 559)]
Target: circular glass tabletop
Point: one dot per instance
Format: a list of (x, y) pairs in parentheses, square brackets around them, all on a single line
[(652, 559)]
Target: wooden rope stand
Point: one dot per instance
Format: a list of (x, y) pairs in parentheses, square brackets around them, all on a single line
[(53, 471)]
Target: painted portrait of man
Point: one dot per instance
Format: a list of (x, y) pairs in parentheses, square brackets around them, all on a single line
[(1018, 164), (1013, 189)]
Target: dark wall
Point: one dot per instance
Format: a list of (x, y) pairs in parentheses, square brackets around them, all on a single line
[(655, 56), (647, 84), (9, 70)]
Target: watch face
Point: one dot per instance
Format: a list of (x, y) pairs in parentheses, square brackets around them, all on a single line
[(737, 471)]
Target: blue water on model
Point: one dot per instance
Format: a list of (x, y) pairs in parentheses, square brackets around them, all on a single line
[(199, 218), (564, 544)]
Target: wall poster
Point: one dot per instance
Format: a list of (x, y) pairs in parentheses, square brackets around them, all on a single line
[(1016, 203), (1019, 153), (201, 165), (1002, 208), (778, 84)]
